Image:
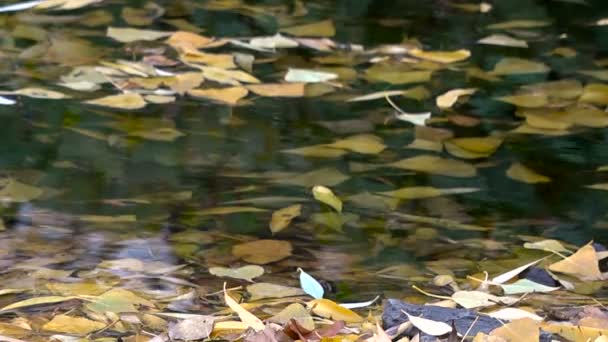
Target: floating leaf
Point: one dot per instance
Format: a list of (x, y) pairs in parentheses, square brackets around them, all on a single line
[(118, 300), (521, 330), (325, 195), (478, 299), (282, 217), (324, 176), (526, 286), (159, 134), (229, 96), (194, 328), (273, 42), (509, 314), (417, 192), (72, 325), (416, 93), (595, 93), (523, 174), (228, 210), (36, 301), (127, 35), (436, 165), (503, 40), (519, 24), (518, 66), (429, 327), (583, 264), (37, 93), (14, 191), (441, 56), (317, 151), (547, 245), (6, 101), (526, 100), (122, 101), (503, 278), (262, 251), (310, 285), (362, 143), (472, 148), (297, 312), (188, 41), (245, 316), (266, 290), (383, 74), (448, 99), (245, 272), (308, 76), (328, 309), (577, 333), (360, 304), (279, 89), (323, 28)]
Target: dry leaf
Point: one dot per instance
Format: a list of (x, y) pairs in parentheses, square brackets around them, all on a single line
[(328, 309), (448, 99), (72, 325), (323, 28), (325, 195), (245, 272), (523, 174), (245, 316), (229, 96), (279, 89), (122, 101), (262, 251), (520, 330), (282, 217), (583, 264)]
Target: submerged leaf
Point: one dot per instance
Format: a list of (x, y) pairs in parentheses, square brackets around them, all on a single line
[(72, 325), (122, 101), (262, 252), (523, 174), (127, 35), (245, 272), (441, 56), (198, 327), (323, 28), (282, 217), (518, 66), (436, 165), (362, 143)]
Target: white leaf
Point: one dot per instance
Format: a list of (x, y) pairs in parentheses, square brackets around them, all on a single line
[(359, 305), (308, 76), (526, 286), (509, 314), (418, 119), (428, 326), (500, 279), (20, 6), (310, 285), (6, 101)]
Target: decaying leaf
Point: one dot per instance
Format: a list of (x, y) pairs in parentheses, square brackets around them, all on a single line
[(192, 328), (122, 101), (282, 217), (583, 264), (244, 272), (229, 96), (72, 325), (262, 251), (245, 316), (329, 309)]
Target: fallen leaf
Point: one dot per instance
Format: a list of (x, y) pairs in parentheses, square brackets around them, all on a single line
[(188, 41), (324, 176), (526, 286), (128, 35), (229, 96), (523, 174), (297, 312), (417, 119), (282, 217), (526, 100), (509, 314), (308, 76), (158, 134), (574, 333), (259, 291), (73, 325), (118, 300), (518, 66), (472, 148), (273, 42), (417, 192), (361, 143), (441, 56), (122, 101), (478, 299), (245, 272), (325, 195), (583, 264), (228, 210), (279, 89), (11, 190), (328, 309), (503, 40), (448, 99), (429, 327), (310, 285), (548, 245), (245, 316), (193, 328), (323, 28), (436, 165), (37, 93), (36, 301), (521, 330), (262, 251), (519, 24)]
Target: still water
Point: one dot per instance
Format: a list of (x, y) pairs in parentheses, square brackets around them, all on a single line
[(111, 194)]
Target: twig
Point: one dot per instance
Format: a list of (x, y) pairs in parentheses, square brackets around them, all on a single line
[(468, 330)]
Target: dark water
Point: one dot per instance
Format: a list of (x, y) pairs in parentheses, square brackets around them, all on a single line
[(228, 153)]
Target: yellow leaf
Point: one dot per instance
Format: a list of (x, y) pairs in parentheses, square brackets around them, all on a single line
[(518, 24), (228, 210), (515, 66), (523, 174), (362, 143), (279, 89), (328, 309), (317, 151), (448, 99), (232, 77), (188, 40), (325, 195), (127, 35), (245, 272), (297, 312), (574, 332), (416, 192), (519, 330), (441, 56), (526, 100), (122, 101), (36, 301), (224, 61), (436, 165), (473, 148), (323, 28), (282, 217), (181, 83), (72, 325), (229, 96), (595, 93), (262, 251), (245, 316), (583, 264)]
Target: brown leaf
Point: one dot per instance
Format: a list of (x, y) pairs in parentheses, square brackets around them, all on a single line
[(229, 96), (262, 251), (583, 264)]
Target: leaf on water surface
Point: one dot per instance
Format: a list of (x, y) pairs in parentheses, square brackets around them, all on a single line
[(128, 35), (108, 219), (503, 40), (277, 41), (37, 93), (73, 325), (310, 285), (37, 301), (129, 101), (194, 328), (325, 195), (245, 316), (518, 66), (308, 76), (380, 335), (417, 119), (324, 28), (504, 277), (159, 99), (278, 89), (556, 90), (521, 330), (282, 217), (548, 245), (436, 165), (601, 75), (118, 300), (595, 93), (225, 76), (472, 148), (478, 299), (417, 93), (577, 333), (526, 286), (262, 252), (429, 327), (297, 312), (14, 191), (583, 264), (223, 61), (328, 309), (317, 151), (361, 143), (244, 273), (6, 101), (86, 288), (519, 172), (259, 291), (65, 4), (509, 314), (188, 40), (325, 176), (526, 100), (20, 6), (376, 74), (519, 24), (441, 56), (360, 304), (448, 99), (417, 192), (228, 210), (229, 96)]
